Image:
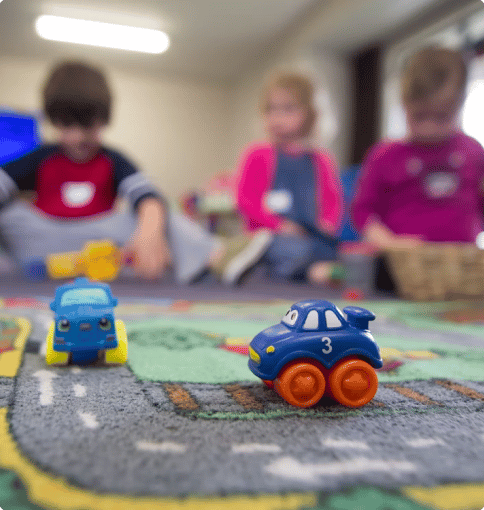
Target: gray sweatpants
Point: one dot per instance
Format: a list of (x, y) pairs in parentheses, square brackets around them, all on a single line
[(30, 235)]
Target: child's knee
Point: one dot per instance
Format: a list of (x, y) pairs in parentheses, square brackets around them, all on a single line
[(288, 255), (289, 247)]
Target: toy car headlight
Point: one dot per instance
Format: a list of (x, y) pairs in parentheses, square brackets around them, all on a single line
[(104, 324), (63, 325), (253, 355)]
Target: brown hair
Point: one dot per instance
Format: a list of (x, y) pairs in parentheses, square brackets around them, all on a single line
[(76, 93), (430, 70), (303, 90)]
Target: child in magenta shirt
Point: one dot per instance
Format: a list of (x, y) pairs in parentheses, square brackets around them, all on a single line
[(426, 187), (292, 189)]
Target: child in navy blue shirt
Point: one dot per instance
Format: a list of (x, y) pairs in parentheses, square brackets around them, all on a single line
[(77, 182)]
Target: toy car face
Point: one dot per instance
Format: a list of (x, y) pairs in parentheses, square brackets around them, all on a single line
[(84, 317), (315, 330)]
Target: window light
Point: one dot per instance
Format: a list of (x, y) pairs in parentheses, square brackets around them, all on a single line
[(472, 112), (480, 240), (106, 35)]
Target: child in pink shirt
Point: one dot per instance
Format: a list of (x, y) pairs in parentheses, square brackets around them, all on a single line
[(426, 187), (289, 187)]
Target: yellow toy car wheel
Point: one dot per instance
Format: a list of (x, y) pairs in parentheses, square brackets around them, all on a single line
[(119, 354), (53, 357)]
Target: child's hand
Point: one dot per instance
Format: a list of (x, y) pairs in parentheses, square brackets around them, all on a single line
[(290, 228), (405, 242), (150, 254), (148, 248), (327, 228), (382, 237)]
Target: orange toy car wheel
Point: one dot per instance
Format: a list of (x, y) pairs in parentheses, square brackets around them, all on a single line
[(301, 384), (353, 382)]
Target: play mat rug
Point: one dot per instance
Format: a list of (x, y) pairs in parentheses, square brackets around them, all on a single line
[(185, 425)]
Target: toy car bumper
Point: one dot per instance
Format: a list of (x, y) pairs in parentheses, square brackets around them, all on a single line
[(61, 345), (255, 369)]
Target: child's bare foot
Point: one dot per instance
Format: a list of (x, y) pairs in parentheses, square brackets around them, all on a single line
[(319, 273)]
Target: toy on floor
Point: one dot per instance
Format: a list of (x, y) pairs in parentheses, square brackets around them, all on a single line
[(315, 351), (353, 294), (98, 260), (35, 269), (84, 329)]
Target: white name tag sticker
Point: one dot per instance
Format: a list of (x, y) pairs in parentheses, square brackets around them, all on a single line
[(279, 201), (77, 194)]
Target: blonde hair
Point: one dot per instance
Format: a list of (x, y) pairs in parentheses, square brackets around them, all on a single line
[(430, 70), (303, 90)]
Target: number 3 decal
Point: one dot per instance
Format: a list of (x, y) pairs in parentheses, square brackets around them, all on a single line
[(329, 347)]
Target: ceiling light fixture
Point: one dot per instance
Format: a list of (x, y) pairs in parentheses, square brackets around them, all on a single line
[(106, 35)]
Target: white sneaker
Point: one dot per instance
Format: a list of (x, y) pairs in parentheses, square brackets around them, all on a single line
[(243, 254)]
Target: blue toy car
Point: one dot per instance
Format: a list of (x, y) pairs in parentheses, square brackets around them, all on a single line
[(84, 329), (315, 351)]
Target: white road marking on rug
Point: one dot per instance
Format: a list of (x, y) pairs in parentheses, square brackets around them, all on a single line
[(76, 370), (45, 386), (79, 390), (288, 467), (256, 448), (89, 420), (164, 447), (424, 442), (343, 443)]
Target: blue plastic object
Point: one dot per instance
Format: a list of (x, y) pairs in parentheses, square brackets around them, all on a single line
[(18, 135), (84, 319), (315, 332), (358, 317), (348, 181), (35, 270)]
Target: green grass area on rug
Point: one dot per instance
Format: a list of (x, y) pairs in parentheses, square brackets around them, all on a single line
[(370, 498), (13, 495)]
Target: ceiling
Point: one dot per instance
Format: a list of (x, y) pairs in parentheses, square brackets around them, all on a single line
[(210, 39)]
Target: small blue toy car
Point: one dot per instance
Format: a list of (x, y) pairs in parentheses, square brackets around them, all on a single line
[(315, 351), (84, 329)]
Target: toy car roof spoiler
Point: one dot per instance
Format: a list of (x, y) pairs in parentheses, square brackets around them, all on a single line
[(358, 317)]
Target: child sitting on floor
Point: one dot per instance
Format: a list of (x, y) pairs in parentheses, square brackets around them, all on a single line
[(426, 187), (77, 182), (290, 187)]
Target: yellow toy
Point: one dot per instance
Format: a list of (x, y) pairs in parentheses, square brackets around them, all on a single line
[(98, 260)]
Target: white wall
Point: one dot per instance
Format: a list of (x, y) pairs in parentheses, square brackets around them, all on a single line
[(175, 130)]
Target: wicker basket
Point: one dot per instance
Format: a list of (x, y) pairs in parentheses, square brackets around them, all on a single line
[(438, 271)]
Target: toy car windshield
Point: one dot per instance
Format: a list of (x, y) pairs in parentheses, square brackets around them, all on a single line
[(89, 296), (290, 318)]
